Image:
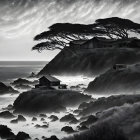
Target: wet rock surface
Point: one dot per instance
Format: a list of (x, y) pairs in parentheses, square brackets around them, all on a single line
[(52, 138), (4, 89), (53, 118), (68, 118), (22, 136), (5, 132), (6, 115), (68, 129), (91, 120), (36, 101)]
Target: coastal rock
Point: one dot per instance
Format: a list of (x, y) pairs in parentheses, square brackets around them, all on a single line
[(4, 89), (22, 136), (34, 119), (9, 107), (69, 118), (87, 62), (15, 121), (6, 115), (6, 133), (32, 75), (53, 118), (117, 80), (91, 120), (42, 119), (43, 115), (21, 81), (38, 101), (82, 128), (68, 129), (21, 118), (52, 138)]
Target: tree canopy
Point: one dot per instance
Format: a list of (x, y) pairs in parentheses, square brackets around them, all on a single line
[(117, 28), (60, 35)]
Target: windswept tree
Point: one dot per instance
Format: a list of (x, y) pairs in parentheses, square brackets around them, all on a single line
[(117, 28), (60, 35)]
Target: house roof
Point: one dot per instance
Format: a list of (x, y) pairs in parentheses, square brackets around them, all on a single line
[(50, 78)]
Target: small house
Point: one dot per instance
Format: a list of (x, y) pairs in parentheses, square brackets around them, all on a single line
[(50, 82), (119, 66)]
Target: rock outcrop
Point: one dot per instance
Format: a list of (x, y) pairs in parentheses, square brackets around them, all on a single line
[(38, 101), (90, 61), (4, 89), (117, 80)]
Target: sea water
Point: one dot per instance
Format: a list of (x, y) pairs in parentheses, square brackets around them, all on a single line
[(10, 71)]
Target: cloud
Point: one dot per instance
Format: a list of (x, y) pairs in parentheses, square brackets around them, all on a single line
[(21, 17)]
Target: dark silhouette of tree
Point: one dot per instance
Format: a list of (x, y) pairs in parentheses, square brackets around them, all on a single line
[(60, 35), (117, 28)]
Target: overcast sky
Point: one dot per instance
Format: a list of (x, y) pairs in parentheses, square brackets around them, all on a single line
[(21, 20)]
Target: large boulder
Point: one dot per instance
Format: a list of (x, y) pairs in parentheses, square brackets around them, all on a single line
[(117, 80), (69, 118), (6, 133), (68, 129), (22, 136), (39, 101), (6, 115), (4, 89)]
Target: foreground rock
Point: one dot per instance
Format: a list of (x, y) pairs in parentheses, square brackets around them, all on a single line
[(22, 136), (68, 129), (82, 128), (20, 118), (105, 103), (6, 133), (53, 118), (34, 119), (39, 101), (6, 115), (117, 80), (91, 120), (69, 118), (6, 89), (52, 138)]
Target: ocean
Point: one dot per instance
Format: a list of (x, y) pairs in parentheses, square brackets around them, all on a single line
[(10, 70)]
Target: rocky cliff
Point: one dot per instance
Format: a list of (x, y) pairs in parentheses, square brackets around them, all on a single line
[(93, 57), (124, 80)]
